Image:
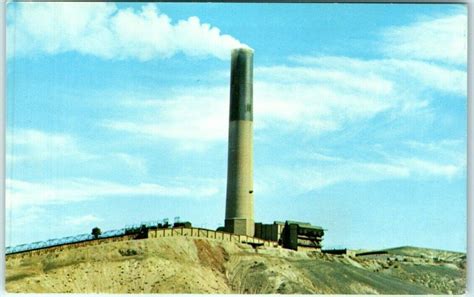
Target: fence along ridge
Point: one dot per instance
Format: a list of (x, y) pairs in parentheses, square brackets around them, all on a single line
[(123, 236)]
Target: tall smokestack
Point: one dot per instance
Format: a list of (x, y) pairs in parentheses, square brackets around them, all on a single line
[(239, 203)]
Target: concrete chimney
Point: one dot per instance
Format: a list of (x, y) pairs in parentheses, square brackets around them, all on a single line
[(239, 203)]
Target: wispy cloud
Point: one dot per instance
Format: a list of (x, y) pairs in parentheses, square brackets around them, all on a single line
[(137, 164), (25, 193), (319, 156), (442, 39), (25, 225), (36, 145), (28, 216), (324, 170), (54, 151), (191, 117), (31, 147), (453, 150), (316, 105), (104, 30), (416, 76), (81, 220)]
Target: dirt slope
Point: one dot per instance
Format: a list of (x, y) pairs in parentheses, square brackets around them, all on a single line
[(187, 265)]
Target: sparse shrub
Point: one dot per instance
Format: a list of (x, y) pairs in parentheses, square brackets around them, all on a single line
[(128, 252)]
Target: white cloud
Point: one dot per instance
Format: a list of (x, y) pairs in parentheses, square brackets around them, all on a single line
[(103, 30), (425, 168), (442, 39), (321, 94), (35, 145), (416, 76), (136, 164), (25, 218), (448, 151), (319, 157), (16, 222), (317, 96), (81, 220), (313, 107), (328, 93), (453, 150), (193, 117), (306, 178), (370, 83), (28, 224), (444, 159), (196, 117), (25, 193), (47, 150)]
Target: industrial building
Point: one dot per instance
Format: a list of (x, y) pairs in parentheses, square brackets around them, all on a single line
[(291, 234)]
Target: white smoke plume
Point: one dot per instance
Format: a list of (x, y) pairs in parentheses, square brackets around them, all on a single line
[(104, 30)]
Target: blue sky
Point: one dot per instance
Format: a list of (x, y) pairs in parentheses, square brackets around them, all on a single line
[(118, 114)]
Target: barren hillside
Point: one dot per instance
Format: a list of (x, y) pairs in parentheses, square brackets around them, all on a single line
[(191, 265)]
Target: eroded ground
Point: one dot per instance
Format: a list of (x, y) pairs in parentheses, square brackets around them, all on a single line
[(187, 265)]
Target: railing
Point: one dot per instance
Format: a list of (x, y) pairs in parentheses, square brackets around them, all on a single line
[(78, 238), (48, 243), (153, 231)]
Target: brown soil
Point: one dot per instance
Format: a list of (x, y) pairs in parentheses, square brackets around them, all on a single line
[(213, 257)]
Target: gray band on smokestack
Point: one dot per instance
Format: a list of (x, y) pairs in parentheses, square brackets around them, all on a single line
[(239, 202), (241, 85)]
